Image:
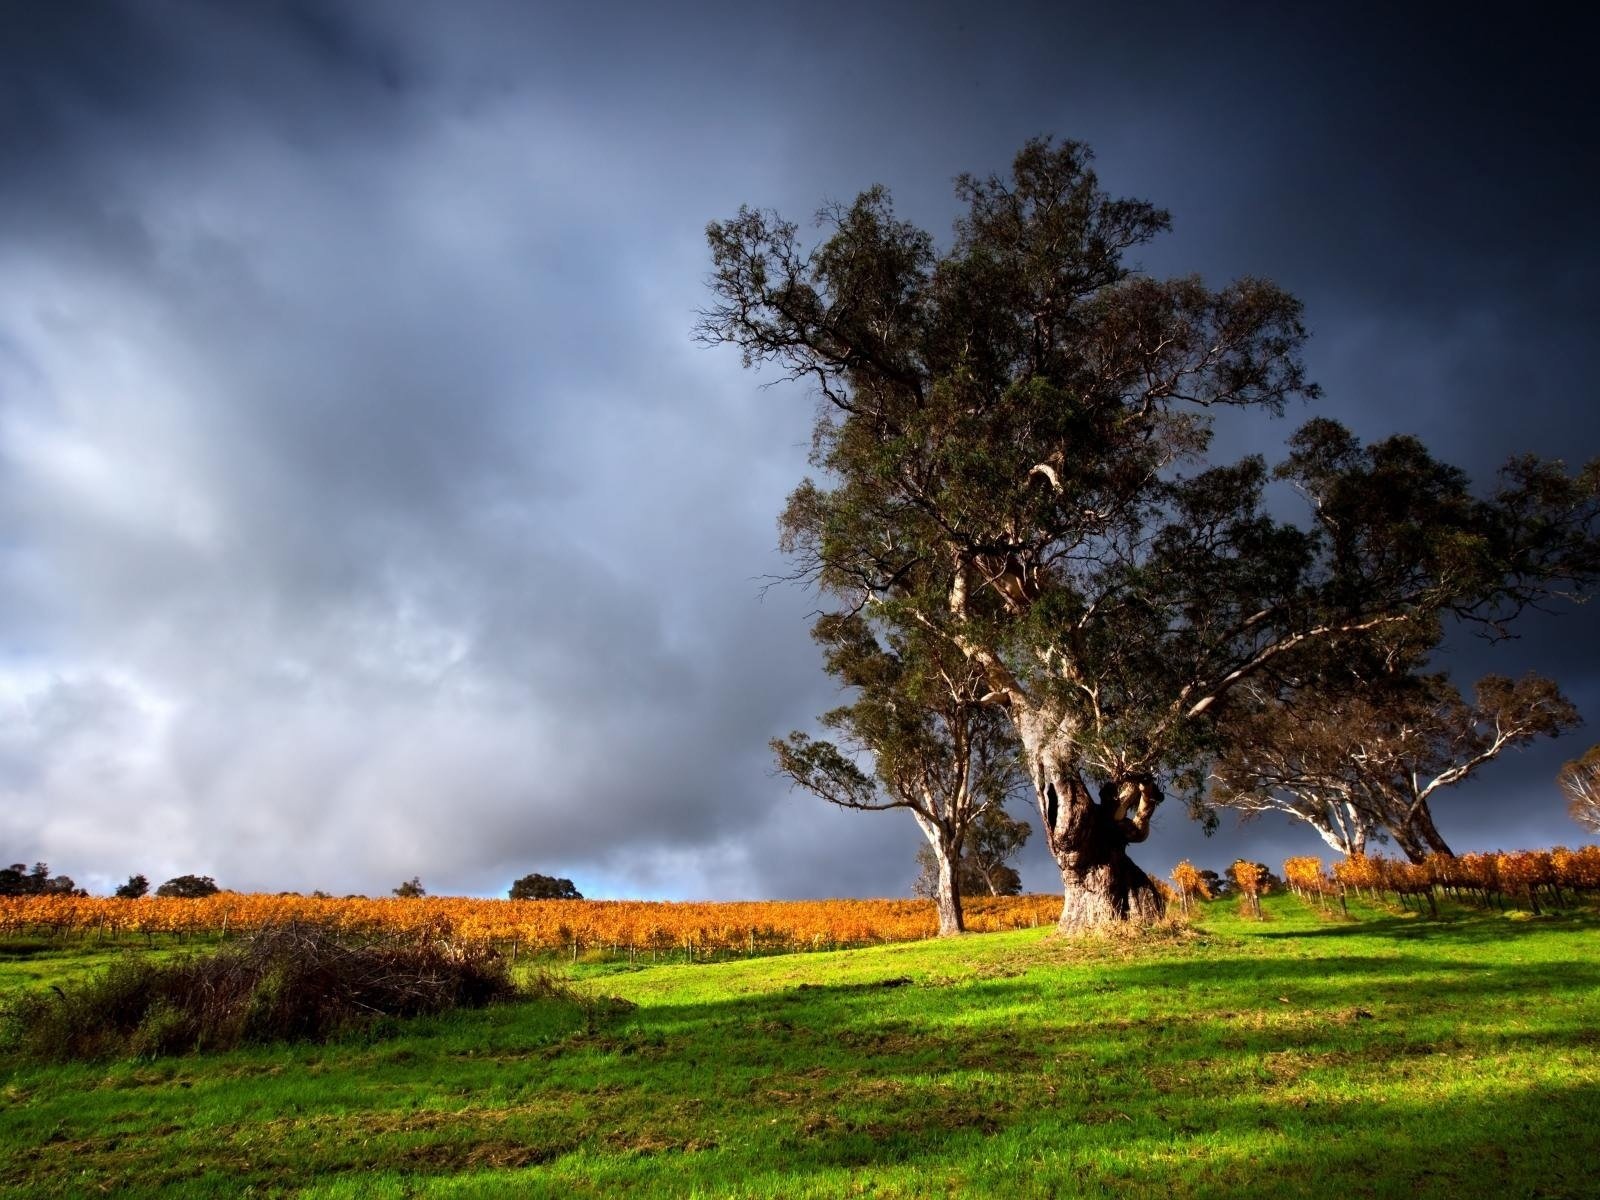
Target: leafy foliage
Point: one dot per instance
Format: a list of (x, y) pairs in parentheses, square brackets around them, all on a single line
[(937, 748), (982, 866), (1189, 882), (1360, 752), (189, 887), (136, 887), (539, 925), (18, 880), (411, 889), (1249, 878), (1484, 877), (544, 887)]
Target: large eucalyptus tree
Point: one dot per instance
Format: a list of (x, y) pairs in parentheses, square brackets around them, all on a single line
[(1011, 444)]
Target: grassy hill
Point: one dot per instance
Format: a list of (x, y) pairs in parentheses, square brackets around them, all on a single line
[(1295, 1056)]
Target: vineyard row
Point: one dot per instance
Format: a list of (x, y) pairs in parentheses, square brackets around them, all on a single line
[(1523, 875), (532, 925)]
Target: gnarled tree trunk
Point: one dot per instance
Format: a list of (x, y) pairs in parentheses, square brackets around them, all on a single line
[(1102, 887)]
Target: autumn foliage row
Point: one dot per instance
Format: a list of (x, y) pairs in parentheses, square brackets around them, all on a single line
[(536, 925), (1486, 877), (1524, 873)]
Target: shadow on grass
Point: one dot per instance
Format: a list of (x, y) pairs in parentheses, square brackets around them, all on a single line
[(1360, 1072)]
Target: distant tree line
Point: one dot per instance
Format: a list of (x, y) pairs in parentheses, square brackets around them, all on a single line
[(18, 880), (529, 887), (189, 887)]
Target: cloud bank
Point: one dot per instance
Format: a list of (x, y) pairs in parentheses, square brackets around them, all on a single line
[(369, 513)]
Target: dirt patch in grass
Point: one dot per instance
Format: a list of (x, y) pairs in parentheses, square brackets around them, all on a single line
[(489, 1154)]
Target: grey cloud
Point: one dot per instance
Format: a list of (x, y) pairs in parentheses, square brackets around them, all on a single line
[(368, 511)]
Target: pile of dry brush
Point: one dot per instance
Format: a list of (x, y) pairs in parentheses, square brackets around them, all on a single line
[(291, 982)]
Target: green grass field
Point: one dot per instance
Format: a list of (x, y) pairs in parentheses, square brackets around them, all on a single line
[(1299, 1056)]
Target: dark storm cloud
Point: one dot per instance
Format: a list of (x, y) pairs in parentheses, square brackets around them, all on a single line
[(368, 511)]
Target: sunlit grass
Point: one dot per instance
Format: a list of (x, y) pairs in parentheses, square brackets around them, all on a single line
[(1303, 1055)]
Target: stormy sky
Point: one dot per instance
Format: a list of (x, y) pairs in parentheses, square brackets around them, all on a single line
[(366, 510)]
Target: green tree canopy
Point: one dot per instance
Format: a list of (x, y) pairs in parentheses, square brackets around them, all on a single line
[(1361, 752), (544, 887), (19, 880), (1012, 452), (189, 887)]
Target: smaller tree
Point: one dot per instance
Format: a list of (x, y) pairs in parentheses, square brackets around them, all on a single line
[(189, 887), (17, 880), (940, 750), (1369, 752), (1580, 780), (982, 864), (993, 839), (136, 887), (544, 887), (411, 889)]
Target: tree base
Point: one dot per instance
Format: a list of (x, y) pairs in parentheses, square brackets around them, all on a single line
[(1113, 894)]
